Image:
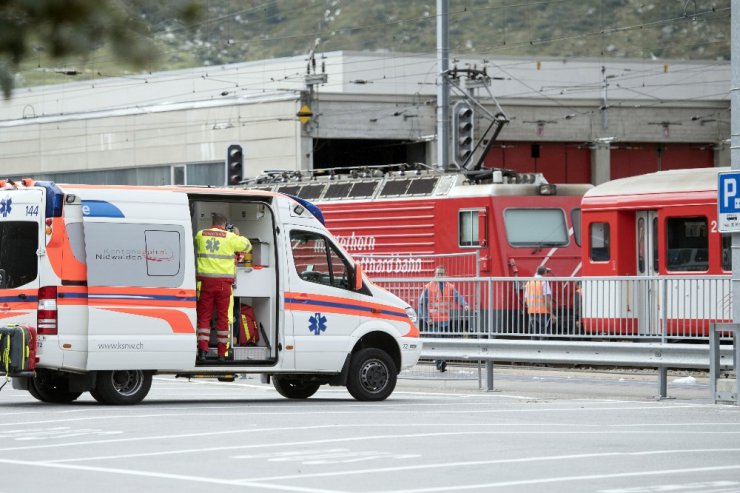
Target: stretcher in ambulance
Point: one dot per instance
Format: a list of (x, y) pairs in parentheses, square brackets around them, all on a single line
[(106, 276)]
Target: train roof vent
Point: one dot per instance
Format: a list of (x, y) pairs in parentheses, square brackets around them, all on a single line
[(395, 187), (289, 189), (363, 189), (337, 190), (422, 186), (261, 188), (311, 192)]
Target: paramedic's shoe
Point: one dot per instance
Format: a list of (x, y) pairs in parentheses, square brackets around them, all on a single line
[(202, 355), (441, 365), (221, 358)]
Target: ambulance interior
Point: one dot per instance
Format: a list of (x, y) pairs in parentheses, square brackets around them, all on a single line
[(256, 278)]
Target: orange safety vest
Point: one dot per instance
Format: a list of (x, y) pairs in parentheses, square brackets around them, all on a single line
[(215, 249), (439, 302), (535, 297)]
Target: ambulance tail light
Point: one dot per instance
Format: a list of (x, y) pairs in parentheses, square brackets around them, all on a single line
[(46, 322)]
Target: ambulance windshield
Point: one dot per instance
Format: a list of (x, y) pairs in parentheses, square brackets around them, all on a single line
[(19, 241)]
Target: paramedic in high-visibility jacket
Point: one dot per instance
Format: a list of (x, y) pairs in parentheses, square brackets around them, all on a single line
[(435, 304), (538, 297), (215, 248)]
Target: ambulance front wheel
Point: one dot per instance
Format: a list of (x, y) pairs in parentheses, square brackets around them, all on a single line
[(372, 375), (121, 387), (294, 388)]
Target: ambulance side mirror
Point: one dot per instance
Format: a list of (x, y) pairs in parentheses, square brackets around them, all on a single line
[(358, 277)]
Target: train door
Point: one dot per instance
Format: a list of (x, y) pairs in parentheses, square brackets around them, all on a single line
[(647, 299), (474, 242)]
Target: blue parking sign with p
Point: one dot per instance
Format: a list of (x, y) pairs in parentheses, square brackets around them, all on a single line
[(728, 202)]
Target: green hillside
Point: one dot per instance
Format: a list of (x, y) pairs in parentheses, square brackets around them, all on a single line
[(241, 30)]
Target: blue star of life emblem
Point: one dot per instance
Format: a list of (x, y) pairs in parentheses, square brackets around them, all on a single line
[(5, 206), (317, 324), (212, 244)]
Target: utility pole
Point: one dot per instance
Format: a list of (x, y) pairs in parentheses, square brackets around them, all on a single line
[(443, 87)]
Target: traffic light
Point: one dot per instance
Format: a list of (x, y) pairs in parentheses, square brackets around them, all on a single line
[(462, 132), (234, 165)]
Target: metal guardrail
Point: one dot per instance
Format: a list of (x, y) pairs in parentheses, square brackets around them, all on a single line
[(639, 321), (641, 355), (723, 389)]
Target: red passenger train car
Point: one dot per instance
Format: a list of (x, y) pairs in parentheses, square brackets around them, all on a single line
[(660, 229), (402, 223)]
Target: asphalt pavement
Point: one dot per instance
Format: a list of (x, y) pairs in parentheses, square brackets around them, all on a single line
[(541, 430)]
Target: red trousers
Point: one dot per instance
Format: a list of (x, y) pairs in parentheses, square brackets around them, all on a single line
[(215, 294)]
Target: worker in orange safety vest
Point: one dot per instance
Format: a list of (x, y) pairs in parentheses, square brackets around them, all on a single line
[(538, 297), (215, 248), (435, 305)]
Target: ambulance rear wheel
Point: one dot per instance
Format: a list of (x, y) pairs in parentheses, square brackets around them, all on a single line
[(50, 387), (372, 375), (121, 387), (294, 388)]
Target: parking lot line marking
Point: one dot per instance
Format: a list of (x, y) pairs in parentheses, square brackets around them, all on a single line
[(160, 475), (488, 463), (600, 431), (304, 410), (335, 440), (505, 484)]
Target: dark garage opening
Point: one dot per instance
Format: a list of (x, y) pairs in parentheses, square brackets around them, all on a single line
[(344, 153)]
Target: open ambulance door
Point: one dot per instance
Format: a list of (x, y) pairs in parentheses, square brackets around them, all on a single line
[(66, 253), (141, 280)]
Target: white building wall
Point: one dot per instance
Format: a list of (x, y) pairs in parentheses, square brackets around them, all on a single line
[(192, 115), (267, 129)]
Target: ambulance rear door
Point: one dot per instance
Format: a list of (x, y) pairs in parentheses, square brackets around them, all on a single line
[(141, 279), (22, 240)]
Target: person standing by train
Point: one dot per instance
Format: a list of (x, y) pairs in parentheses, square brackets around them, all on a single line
[(538, 297), (435, 305)]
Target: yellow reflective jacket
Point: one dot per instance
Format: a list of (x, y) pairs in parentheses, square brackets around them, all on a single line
[(214, 251)]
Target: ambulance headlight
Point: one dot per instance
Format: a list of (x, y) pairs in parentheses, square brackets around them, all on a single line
[(411, 314)]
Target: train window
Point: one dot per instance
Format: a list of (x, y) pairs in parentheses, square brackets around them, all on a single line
[(468, 228), (687, 244), (536, 227), (600, 242), (655, 245), (575, 218), (726, 252), (641, 245)]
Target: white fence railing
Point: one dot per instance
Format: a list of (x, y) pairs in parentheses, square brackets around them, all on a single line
[(646, 308)]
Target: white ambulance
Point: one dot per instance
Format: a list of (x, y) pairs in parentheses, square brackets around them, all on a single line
[(106, 274)]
